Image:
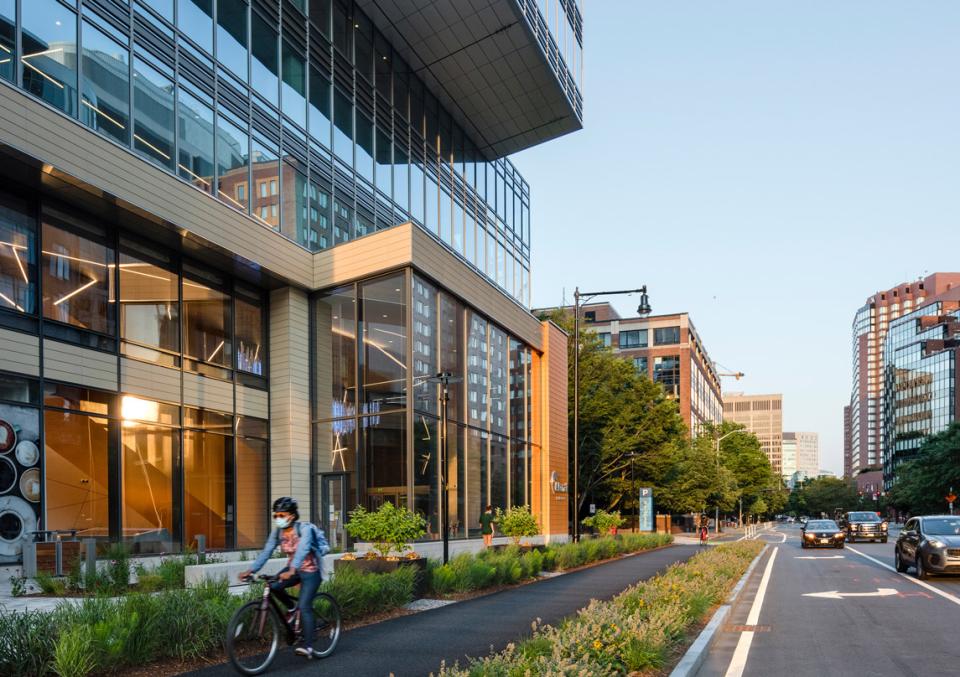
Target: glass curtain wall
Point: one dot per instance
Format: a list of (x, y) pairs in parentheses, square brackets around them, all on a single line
[(269, 102), (390, 445)]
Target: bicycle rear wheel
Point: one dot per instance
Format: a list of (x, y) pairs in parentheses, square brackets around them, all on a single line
[(327, 634), (253, 636)]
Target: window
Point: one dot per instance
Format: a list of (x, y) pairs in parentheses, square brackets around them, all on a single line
[(153, 116), (77, 276), (195, 19), (383, 440), (105, 98), (242, 192), (149, 308), (249, 333), (253, 450), (206, 324), (383, 326), (207, 453), (233, 152), (664, 336), (265, 78), (294, 85), (232, 36), (8, 39), (364, 147), (195, 162), (604, 338), (640, 364), (666, 371), (635, 338), (320, 15), (49, 53), (18, 255), (319, 107), (343, 127)]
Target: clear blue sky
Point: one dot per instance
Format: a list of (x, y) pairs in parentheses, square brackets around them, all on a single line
[(764, 165)]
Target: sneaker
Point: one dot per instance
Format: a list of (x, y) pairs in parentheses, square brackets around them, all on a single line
[(304, 651)]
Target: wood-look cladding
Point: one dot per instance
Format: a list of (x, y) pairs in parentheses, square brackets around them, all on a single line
[(19, 352), (553, 364), (252, 402), (34, 129), (149, 380), (73, 364), (208, 393), (290, 396)]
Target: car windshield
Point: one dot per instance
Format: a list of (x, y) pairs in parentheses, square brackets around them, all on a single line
[(863, 517), (942, 526), (822, 525)]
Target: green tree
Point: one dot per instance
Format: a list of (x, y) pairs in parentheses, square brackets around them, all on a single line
[(922, 483), (824, 495)]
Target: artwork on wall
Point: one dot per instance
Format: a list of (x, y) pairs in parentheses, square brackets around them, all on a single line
[(20, 484)]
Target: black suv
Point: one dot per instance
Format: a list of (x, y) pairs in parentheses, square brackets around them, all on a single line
[(863, 525)]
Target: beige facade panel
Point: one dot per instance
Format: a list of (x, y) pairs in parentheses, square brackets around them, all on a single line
[(149, 380), (290, 395), (386, 250), (252, 402), (40, 132), (81, 366), (19, 353), (209, 393)]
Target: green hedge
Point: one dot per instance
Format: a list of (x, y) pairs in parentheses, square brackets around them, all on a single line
[(469, 572), (100, 634), (636, 632)]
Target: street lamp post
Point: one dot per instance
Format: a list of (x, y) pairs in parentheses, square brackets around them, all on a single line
[(632, 455), (643, 309), (444, 378)]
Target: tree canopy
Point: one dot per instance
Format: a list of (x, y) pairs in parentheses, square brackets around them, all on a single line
[(922, 483), (823, 496)]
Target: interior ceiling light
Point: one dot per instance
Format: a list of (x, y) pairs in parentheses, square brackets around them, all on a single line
[(75, 292)]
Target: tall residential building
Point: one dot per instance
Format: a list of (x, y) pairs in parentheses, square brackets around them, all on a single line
[(668, 349), (920, 379), (763, 416), (237, 238), (869, 330), (847, 444), (800, 454)]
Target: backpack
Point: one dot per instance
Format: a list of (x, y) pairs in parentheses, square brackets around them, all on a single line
[(318, 542)]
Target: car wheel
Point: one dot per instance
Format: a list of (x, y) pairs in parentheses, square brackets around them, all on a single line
[(898, 561), (921, 570)]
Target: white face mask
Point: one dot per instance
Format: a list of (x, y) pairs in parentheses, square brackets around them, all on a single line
[(281, 522)]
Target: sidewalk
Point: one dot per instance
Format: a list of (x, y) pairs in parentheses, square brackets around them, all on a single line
[(414, 646)]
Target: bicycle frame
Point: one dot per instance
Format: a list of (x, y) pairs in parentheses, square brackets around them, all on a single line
[(269, 600)]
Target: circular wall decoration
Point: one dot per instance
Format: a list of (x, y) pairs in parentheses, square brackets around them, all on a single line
[(16, 522), (8, 436), (30, 485), (8, 475), (27, 453)]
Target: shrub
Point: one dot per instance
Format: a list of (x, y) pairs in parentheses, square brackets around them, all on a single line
[(389, 528), (517, 522), (603, 522), (359, 593), (27, 642), (73, 655)]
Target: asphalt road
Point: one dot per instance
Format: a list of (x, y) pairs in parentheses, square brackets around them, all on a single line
[(415, 645), (872, 621)]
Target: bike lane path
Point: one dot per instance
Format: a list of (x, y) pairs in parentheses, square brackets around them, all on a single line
[(415, 645)]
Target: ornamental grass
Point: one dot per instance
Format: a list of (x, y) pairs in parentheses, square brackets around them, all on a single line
[(637, 632)]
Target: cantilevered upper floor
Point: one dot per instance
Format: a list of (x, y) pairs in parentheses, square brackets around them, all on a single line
[(507, 70)]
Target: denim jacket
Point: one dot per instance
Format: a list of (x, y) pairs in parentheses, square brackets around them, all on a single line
[(312, 539)]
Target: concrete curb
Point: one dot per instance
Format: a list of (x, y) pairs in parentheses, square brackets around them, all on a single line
[(697, 653)]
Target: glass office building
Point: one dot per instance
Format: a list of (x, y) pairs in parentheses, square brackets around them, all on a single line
[(193, 185)]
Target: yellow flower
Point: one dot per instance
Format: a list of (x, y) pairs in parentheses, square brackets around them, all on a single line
[(597, 644)]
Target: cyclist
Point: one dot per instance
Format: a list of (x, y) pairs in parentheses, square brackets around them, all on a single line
[(703, 529), (304, 544)]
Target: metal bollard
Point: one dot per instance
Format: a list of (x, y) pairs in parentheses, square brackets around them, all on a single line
[(90, 547), (30, 558), (58, 549), (201, 549)]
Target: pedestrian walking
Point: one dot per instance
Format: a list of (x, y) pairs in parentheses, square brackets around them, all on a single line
[(486, 526)]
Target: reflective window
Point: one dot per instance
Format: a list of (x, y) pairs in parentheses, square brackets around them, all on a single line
[(498, 380), (343, 28), (206, 324), (477, 370), (385, 461), (18, 255), (640, 364), (105, 99), (663, 336), (425, 356), (343, 127), (416, 192), (604, 338), (321, 235), (426, 480), (320, 15), (233, 151), (195, 19), (294, 85), (363, 46), (205, 458), (335, 321), (266, 68), (149, 307), (232, 36), (475, 478), (49, 34), (153, 117), (384, 163), (8, 38), (77, 277), (666, 371), (196, 141), (364, 147), (265, 171), (319, 107), (401, 173), (498, 472), (249, 333), (20, 515), (342, 218), (76, 464), (252, 470), (383, 324), (635, 338)]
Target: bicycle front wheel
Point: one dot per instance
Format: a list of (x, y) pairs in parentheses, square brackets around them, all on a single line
[(327, 634), (253, 637)]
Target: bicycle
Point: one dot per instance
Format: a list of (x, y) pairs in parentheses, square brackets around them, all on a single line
[(253, 634)]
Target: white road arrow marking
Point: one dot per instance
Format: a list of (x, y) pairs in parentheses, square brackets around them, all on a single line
[(830, 557), (833, 594)]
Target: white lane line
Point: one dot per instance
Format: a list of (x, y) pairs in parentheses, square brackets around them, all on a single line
[(739, 660), (946, 595)]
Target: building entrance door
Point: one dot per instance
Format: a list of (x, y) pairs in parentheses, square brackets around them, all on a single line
[(333, 493)]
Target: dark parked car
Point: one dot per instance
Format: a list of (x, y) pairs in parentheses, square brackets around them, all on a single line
[(863, 525), (821, 534), (930, 544)]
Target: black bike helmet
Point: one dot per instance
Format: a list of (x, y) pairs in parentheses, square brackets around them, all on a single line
[(287, 504)]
